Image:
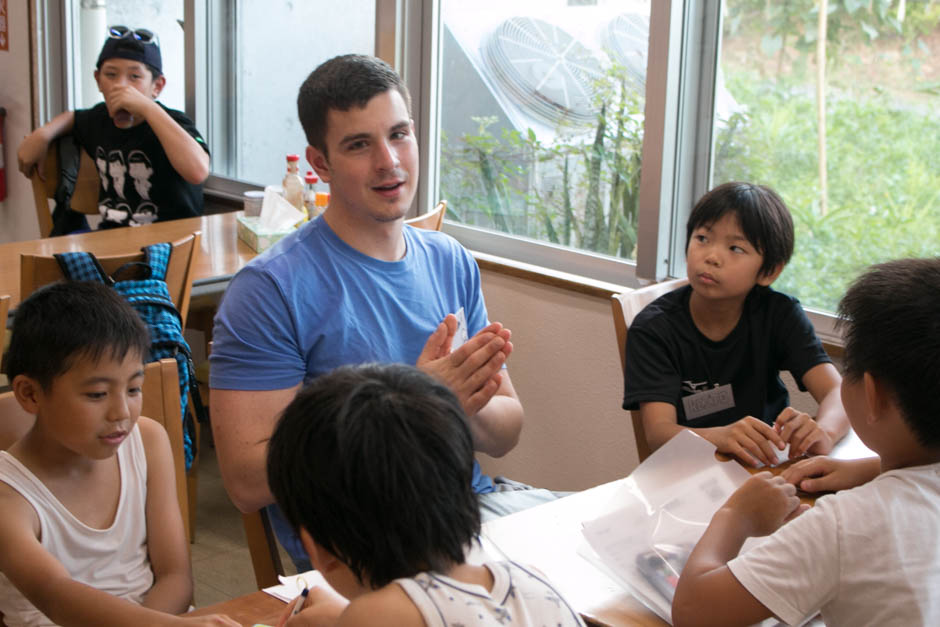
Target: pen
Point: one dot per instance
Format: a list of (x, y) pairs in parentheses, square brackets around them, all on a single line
[(299, 602)]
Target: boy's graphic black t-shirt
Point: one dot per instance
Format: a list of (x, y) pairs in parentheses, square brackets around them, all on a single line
[(669, 359), (138, 184)]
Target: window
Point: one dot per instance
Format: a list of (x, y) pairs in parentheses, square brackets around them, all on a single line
[(535, 116), (92, 21), (257, 55), (541, 128), (861, 174)]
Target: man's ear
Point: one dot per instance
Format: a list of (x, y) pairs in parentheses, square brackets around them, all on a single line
[(767, 279), (97, 82), (320, 558), (27, 392), (319, 162), (158, 84)]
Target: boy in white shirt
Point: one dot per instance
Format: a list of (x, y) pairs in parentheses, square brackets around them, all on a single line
[(867, 555)]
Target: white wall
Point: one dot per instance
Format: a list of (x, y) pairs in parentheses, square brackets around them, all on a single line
[(17, 215)]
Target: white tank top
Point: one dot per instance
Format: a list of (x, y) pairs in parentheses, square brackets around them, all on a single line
[(113, 560), (520, 597)]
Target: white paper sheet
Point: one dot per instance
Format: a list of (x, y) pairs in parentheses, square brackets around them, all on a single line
[(293, 585)]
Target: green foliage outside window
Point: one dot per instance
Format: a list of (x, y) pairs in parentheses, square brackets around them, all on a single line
[(580, 190)]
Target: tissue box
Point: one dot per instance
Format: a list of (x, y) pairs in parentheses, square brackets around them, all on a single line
[(250, 232)]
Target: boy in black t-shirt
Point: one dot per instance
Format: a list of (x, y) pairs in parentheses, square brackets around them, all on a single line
[(151, 160), (708, 355)]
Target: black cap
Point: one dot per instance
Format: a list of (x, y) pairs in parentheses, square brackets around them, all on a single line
[(127, 48)]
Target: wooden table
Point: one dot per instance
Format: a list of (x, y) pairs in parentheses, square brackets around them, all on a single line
[(249, 609), (221, 254)]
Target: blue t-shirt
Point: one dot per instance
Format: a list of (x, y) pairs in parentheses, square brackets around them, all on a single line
[(313, 303)]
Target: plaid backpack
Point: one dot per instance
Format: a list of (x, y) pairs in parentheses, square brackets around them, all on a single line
[(149, 296)]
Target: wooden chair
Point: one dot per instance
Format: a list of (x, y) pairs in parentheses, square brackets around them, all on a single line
[(161, 401), (37, 270), (432, 220), (263, 549), (84, 197), (625, 307), (4, 311)]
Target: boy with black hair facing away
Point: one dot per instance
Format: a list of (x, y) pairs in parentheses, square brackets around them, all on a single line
[(372, 465), (131, 121), (91, 532), (867, 555), (708, 356)]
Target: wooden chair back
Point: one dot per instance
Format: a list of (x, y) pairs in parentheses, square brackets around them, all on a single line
[(84, 197), (263, 549), (38, 270), (161, 402), (625, 307), (432, 220), (4, 312)]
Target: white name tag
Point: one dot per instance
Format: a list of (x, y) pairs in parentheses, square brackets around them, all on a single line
[(708, 402), (460, 337)]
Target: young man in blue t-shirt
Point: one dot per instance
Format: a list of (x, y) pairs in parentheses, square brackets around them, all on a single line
[(356, 285)]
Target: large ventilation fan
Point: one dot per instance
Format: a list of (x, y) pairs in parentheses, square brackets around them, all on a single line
[(546, 70), (626, 38)]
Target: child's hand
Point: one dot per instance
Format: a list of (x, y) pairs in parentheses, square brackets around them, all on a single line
[(126, 105), (322, 607), (824, 474), (750, 440), (32, 153), (764, 502), (803, 433)]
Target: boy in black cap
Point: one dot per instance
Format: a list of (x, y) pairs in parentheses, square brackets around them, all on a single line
[(130, 120)]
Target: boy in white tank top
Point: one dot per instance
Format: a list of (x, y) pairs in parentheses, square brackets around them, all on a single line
[(91, 531), (372, 465)]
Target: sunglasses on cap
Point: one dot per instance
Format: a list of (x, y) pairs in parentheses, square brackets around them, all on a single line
[(142, 35)]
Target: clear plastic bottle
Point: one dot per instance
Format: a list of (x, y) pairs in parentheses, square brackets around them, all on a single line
[(310, 194), (294, 185)]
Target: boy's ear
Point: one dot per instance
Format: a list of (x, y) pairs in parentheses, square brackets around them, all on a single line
[(767, 279), (158, 84), (320, 558), (319, 162), (27, 392), (877, 397)]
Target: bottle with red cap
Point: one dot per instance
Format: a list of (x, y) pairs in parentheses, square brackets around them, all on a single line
[(294, 185), (310, 194)]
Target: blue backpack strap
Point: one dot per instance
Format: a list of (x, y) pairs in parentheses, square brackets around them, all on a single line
[(157, 256), (82, 266)]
